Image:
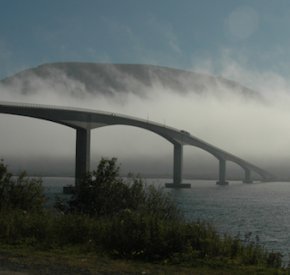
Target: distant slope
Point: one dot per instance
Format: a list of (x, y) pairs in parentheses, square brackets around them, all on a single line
[(109, 79)]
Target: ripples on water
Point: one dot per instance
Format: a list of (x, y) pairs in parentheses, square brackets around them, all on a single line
[(260, 208)]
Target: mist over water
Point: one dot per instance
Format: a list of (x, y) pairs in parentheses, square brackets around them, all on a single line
[(255, 128)]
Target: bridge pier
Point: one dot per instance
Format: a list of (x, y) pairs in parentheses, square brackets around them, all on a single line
[(83, 144), (177, 168), (248, 178), (222, 173)]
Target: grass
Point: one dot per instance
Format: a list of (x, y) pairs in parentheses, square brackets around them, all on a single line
[(131, 235), (71, 260)]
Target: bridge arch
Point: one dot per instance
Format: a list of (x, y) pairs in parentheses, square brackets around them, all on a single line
[(36, 145), (132, 145), (83, 121), (202, 163)]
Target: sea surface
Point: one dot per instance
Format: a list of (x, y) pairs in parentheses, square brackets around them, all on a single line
[(261, 209)]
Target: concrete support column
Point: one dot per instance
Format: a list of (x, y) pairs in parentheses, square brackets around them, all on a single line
[(222, 172), (83, 142), (177, 168), (177, 163), (248, 178)]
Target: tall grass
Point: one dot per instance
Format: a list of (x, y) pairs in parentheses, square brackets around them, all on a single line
[(133, 235)]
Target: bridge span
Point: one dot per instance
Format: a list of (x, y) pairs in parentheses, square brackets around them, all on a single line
[(83, 121)]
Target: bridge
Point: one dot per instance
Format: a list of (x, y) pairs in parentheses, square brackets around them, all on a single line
[(83, 121)]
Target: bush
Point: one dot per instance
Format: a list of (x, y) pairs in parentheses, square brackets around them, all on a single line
[(21, 227), (20, 193), (103, 193)]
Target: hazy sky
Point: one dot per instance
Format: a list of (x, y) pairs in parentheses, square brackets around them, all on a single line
[(243, 40)]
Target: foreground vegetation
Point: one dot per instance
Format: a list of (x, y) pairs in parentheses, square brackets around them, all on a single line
[(119, 219), (71, 260)]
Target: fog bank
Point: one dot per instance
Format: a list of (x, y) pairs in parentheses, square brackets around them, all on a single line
[(253, 126)]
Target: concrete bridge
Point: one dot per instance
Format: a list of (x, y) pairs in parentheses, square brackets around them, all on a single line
[(83, 121)]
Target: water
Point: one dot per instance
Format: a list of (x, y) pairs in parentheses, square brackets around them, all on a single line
[(260, 208)]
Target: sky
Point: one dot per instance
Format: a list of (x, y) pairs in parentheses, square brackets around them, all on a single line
[(247, 41), (173, 33)]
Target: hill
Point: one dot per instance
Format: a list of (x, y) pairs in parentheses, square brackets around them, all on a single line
[(108, 79)]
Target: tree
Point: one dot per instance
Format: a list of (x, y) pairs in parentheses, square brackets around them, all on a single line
[(103, 192), (21, 192), (100, 192)]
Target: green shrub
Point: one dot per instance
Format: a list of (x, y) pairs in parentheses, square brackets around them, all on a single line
[(20, 193), (103, 193), (100, 192), (274, 259), (72, 229), (18, 227)]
